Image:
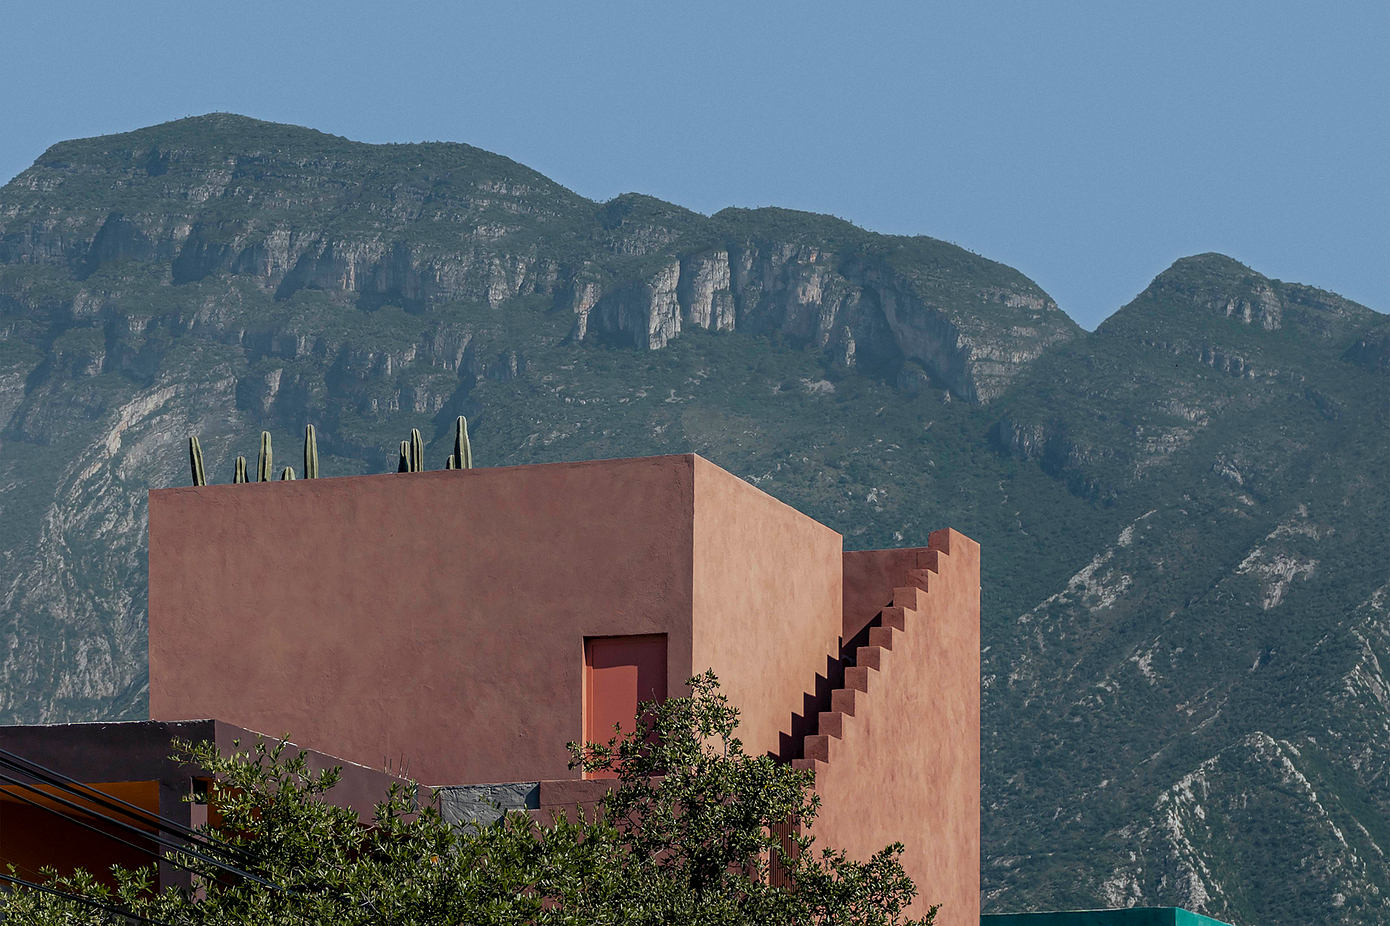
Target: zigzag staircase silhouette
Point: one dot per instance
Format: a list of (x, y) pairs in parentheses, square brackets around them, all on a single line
[(859, 670)]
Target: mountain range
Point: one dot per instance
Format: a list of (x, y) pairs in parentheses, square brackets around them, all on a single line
[(1184, 512)]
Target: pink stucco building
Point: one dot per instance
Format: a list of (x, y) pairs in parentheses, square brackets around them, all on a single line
[(464, 625)]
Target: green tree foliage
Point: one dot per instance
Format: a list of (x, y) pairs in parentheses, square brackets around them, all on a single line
[(686, 836)]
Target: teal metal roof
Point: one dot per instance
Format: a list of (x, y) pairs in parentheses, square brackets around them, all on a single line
[(1131, 916)]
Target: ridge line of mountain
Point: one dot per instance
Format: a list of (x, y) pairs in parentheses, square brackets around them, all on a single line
[(1183, 512)]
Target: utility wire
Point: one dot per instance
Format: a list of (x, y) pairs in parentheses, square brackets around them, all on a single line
[(111, 802), (79, 898), (107, 833), (144, 834)]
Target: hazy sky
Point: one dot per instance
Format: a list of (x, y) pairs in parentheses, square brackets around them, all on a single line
[(1087, 144)]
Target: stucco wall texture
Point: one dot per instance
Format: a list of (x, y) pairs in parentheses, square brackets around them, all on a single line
[(766, 601), (905, 766), (435, 621)]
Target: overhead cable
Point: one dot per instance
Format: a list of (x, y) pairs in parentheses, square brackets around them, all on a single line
[(111, 802), (157, 837), (82, 899)]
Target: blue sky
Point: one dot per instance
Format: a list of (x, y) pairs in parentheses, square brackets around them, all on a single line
[(1087, 144)]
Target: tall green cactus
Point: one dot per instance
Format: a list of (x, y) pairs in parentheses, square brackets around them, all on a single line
[(463, 450), (287, 474), (449, 463), (195, 460), (265, 465), (404, 465), (417, 451), (311, 453), (239, 474)]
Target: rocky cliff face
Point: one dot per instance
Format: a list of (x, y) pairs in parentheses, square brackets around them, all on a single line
[(223, 197), (1183, 514), (857, 313), (217, 274)]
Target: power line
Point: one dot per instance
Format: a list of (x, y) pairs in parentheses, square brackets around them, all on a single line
[(79, 898), (144, 834), (96, 829), (111, 802)]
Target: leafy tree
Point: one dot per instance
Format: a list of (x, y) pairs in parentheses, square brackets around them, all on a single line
[(689, 834)]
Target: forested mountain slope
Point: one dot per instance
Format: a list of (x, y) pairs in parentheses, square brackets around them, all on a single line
[(1184, 513)]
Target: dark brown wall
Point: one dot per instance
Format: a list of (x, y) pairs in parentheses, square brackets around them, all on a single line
[(33, 838), (131, 761)]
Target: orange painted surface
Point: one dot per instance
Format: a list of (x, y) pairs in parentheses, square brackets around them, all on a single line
[(766, 601), (130, 760), (619, 674), (32, 838), (907, 765)]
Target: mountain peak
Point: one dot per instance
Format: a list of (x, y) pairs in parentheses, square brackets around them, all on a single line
[(226, 131), (1208, 292), (1208, 271), (208, 158)]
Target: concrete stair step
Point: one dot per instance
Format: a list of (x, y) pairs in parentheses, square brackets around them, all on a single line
[(872, 657), (857, 678), (817, 746), (909, 600), (881, 636), (909, 597), (920, 578)]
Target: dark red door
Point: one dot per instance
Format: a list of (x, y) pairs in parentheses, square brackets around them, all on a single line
[(619, 673)]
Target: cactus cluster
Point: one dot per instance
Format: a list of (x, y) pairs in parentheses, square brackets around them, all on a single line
[(412, 456), (265, 464), (412, 452), (462, 457), (265, 467), (195, 460), (311, 453)]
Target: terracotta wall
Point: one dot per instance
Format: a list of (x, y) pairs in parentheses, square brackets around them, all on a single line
[(436, 621), (432, 621), (906, 766), (869, 578), (767, 601)]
